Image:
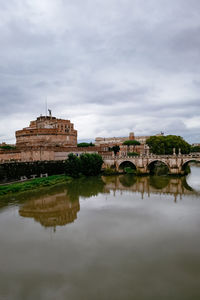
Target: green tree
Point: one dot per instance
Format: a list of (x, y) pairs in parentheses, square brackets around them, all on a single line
[(131, 143), (87, 164), (165, 144), (7, 147), (85, 145), (195, 149), (73, 166), (91, 164), (115, 149)]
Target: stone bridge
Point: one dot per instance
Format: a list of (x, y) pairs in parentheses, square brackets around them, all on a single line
[(175, 163)]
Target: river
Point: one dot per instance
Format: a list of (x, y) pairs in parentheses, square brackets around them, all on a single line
[(116, 237)]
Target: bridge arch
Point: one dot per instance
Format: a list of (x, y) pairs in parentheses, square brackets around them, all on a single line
[(191, 160), (126, 164), (163, 167)]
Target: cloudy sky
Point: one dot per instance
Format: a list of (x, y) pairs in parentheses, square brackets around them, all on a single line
[(110, 66)]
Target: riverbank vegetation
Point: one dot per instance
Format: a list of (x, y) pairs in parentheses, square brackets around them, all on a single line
[(87, 164), (33, 184)]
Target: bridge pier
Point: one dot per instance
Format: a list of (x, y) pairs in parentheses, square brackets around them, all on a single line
[(142, 170), (176, 171)]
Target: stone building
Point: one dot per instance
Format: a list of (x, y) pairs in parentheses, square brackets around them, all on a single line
[(111, 141), (107, 143), (47, 131)]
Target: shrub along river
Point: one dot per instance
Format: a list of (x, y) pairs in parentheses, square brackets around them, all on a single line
[(115, 237)]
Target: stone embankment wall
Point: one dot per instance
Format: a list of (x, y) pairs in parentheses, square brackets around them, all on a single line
[(44, 153)]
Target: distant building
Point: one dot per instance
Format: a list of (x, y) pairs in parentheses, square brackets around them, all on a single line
[(47, 131), (111, 141), (142, 149)]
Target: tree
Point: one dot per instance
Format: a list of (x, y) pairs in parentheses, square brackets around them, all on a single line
[(7, 147), (85, 145), (195, 149), (165, 144), (131, 143), (73, 166), (91, 164), (115, 149), (87, 164)]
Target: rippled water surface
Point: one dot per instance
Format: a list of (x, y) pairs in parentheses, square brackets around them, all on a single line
[(117, 237)]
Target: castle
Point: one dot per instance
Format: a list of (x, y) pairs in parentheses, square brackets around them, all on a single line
[(46, 138), (47, 131)]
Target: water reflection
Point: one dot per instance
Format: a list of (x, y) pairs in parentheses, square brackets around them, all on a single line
[(137, 249), (150, 184), (85, 187), (52, 210), (61, 205)]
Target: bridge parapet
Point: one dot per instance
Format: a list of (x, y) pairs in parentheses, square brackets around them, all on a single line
[(196, 155)]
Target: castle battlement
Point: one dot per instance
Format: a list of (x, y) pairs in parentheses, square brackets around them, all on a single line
[(47, 131)]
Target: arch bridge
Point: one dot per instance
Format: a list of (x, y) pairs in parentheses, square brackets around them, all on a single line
[(175, 163)]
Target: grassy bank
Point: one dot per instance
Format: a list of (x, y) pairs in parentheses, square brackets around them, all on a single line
[(33, 184)]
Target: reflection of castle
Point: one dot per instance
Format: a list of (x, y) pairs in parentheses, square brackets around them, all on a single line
[(51, 210)]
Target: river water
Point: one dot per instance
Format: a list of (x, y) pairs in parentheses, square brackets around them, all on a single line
[(117, 237)]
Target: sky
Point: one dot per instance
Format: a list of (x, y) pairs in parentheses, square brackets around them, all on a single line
[(110, 66)]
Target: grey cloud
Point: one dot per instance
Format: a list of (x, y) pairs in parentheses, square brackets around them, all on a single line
[(110, 66)]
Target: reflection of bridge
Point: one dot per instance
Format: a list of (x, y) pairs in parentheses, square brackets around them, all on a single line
[(149, 185), (175, 163)]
